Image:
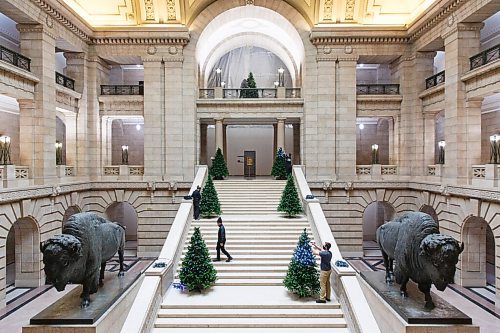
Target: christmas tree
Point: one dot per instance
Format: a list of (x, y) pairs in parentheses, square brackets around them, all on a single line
[(302, 277), (290, 202), (251, 93), (279, 165), (197, 271), (209, 204), (219, 168)]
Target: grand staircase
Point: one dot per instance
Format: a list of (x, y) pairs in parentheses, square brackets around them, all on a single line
[(248, 295)]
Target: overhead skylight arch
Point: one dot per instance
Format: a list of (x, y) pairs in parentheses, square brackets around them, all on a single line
[(241, 25)]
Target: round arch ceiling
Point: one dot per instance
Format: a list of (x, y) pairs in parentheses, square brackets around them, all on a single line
[(250, 25)]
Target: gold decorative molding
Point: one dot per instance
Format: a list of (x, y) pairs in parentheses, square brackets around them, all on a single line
[(349, 10), (150, 10), (328, 10), (171, 10)]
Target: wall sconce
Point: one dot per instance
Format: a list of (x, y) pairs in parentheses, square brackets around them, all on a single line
[(58, 146), (218, 77), (124, 154), (441, 145), (495, 149), (5, 149), (375, 154), (281, 77)]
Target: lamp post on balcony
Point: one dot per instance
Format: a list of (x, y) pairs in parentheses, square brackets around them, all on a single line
[(58, 146), (218, 77), (441, 145), (495, 148), (125, 154), (281, 77), (375, 154), (5, 149)]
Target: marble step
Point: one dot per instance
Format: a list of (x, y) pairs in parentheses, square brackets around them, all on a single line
[(251, 330), (251, 257), (253, 232), (250, 313), (237, 322), (249, 275), (269, 248), (251, 252)]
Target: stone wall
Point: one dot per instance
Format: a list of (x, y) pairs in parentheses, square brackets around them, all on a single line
[(372, 133), (490, 124), (45, 207), (124, 133)]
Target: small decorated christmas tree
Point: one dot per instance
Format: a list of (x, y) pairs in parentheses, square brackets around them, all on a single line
[(302, 277), (209, 204), (251, 93), (290, 202), (197, 271), (279, 165), (219, 168)]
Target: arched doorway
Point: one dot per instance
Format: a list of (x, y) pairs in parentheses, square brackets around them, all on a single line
[(23, 254), (430, 211), (125, 214), (71, 210), (478, 258), (376, 214)]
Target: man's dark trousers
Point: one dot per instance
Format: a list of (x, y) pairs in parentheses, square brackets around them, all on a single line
[(221, 248)]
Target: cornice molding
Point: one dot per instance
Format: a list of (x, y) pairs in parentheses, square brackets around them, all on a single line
[(140, 41), (445, 12), (45, 6), (325, 40)]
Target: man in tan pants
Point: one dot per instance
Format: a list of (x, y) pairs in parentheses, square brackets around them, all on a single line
[(326, 271)]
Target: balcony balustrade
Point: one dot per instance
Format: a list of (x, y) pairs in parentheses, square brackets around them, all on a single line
[(485, 57), (242, 93), (377, 89), (15, 58), (434, 80), (122, 89), (65, 81)]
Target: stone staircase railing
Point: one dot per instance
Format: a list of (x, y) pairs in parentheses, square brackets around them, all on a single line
[(160, 275), (344, 280)]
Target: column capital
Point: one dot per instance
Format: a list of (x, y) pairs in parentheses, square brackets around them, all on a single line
[(459, 27), (219, 119), (25, 29), (281, 119)]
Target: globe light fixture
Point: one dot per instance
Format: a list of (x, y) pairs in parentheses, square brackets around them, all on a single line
[(361, 126), (495, 148), (58, 145), (218, 77), (281, 77)]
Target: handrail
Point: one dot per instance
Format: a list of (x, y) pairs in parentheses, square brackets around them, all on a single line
[(344, 279), (15, 58), (434, 80), (65, 81), (122, 89), (377, 89), (250, 93), (485, 57), (161, 274)]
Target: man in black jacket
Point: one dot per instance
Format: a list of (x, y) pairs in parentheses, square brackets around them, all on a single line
[(221, 241), (196, 202)]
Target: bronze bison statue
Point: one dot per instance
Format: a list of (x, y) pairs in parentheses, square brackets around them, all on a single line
[(79, 255), (421, 253)]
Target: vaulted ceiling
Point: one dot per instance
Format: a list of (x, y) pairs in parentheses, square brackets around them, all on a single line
[(113, 13)]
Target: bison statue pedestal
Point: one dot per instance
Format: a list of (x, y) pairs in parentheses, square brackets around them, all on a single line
[(398, 314)]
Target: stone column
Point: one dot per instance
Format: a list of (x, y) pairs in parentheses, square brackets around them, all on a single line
[(37, 145), (412, 70), (154, 118), (71, 140), (429, 138), (203, 145), (219, 134), (280, 136), (319, 128), (224, 135), (106, 141), (345, 117), (296, 143), (462, 118)]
